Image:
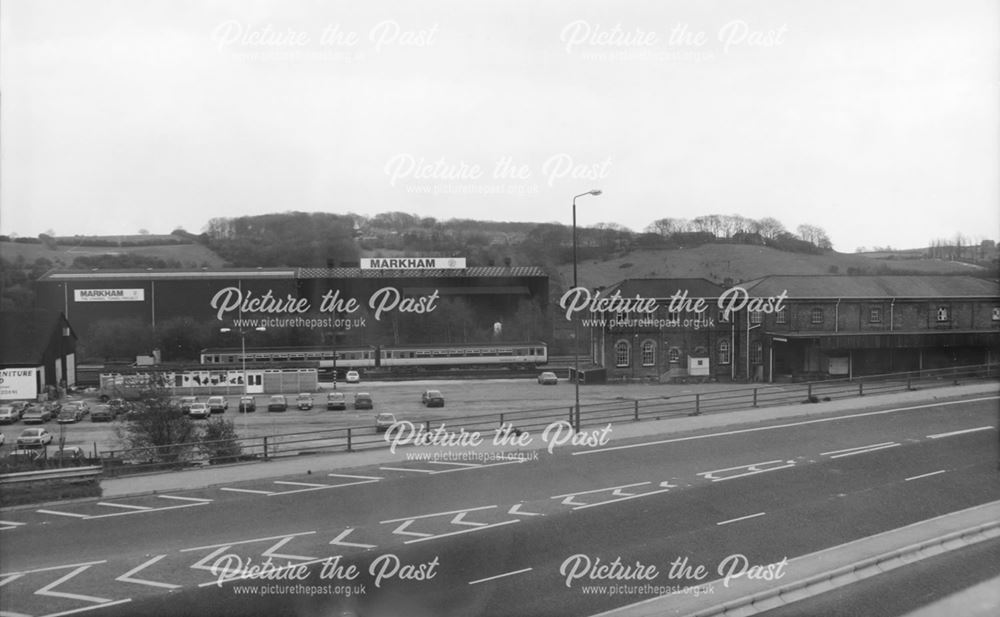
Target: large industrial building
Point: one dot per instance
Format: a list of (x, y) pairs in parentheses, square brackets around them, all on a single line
[(399, 301)]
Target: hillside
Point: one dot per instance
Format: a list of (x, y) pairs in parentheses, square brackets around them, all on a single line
[(188, 255), (738, 262)]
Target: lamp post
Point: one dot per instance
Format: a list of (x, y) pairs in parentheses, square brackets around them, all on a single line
[(576, 324), (243, 358)]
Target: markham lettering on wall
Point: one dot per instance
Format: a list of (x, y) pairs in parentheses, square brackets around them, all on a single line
[(109, 295), (413, 263)]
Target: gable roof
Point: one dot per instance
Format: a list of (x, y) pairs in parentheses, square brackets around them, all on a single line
[(25, 335), (841, 286)]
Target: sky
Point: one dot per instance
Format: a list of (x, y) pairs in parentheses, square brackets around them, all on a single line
[(875, 121)]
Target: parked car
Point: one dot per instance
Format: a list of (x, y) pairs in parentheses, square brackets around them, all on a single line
[(199, 410), (72, 455), (69, 415), (383, 421), (8, 415), (432, 398), (363, 400), (248, 404), (103, 413), (548, 378), (304, 401), (278, 402), (36, 414), (218, 404), (336, 400), (81, 406), (120, 405), (353, 377), (19, 406), (186, 402), (34, 438)]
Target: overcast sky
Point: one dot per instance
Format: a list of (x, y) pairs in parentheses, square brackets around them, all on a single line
[(877, 121)]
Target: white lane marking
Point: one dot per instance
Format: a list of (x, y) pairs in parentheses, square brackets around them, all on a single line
[(455, 533), (483, 466), (48, 589), (129, 577), (413, 518), (460, 520), (123, 505), (309, 484), (780, 426), (344, 475), (861, 449), (89, 608), (636, 496), (599, 490), (246, 490), (454, 463), (742, 518), (13, 614), (234, 543), (195, 499), (926, 475), (953, 433), (51, 568), (751, 470), (493, 578), (516, 509), (338, 541), (10, 525), (271, 551), (57, 513), (408, 469), (401, 530)]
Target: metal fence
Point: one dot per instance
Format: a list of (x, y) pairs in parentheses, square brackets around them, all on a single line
[(350, 439)]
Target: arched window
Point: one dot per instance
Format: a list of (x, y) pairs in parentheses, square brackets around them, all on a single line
[(623, 354), (674, 355), (648, 353), (724, 349)]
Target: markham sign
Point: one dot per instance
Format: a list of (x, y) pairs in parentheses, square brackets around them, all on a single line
[(413, 263), (18, 383), (109, 295)]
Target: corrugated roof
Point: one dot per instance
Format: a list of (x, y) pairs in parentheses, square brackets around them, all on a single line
[(290, 273), (475, 272), (664, 288), (839, 286), (24, 335)]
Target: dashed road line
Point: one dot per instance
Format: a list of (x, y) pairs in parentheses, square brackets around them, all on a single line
[(504, 575), (752, 469), (925, 475), (861, 449), (742, 518), (197, 499), (58, 513), (4, 525), (461, 531), (246, 490), (409, 469), (962, 432), (123, 505)]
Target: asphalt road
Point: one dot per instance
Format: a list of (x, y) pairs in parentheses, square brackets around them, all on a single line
[(505, 537)]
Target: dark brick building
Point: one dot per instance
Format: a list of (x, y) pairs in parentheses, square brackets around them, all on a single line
[(37, 350)]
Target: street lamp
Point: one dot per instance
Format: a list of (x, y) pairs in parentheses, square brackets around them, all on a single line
[(243, 358), (576, 323)]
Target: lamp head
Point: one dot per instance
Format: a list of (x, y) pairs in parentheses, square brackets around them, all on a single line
[(596, 192)]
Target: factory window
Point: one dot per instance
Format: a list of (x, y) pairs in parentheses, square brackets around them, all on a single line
[(724, 349), (875, 314), (816, 316), (942, 313), (623, 354), (648, 353)]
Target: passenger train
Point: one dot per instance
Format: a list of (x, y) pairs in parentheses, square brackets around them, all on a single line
[(512, 355)]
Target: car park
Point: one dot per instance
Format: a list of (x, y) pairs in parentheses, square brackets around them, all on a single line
[(218, 404), (247, 404), (69, 455), (81, 406), (278, 402), (353, 377), (383, 421), (304, 401), (103, 413), (432, 398), (199, 410), (548, 378), (8, 415), (186, 402), (34, 438), (36, 414), (336, 400), (363, 400)]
